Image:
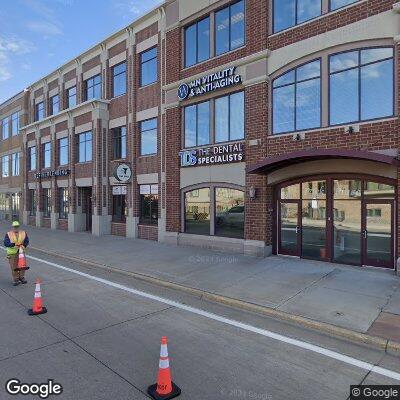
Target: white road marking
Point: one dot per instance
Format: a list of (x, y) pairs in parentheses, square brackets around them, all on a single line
[(263, 332)]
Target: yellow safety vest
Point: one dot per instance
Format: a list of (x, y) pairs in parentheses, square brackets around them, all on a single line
[(16, 240)]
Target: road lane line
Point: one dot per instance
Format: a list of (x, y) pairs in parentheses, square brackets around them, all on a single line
[(263, 332)]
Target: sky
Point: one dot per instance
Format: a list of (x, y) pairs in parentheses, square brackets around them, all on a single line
[(38, 36)]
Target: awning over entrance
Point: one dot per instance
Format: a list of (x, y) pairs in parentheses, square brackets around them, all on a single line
[(274, 163)]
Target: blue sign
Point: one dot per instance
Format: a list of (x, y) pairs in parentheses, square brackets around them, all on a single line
[(188, 158), (183, 91)]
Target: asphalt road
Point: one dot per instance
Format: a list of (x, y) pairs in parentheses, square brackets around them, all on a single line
[(101, 340)]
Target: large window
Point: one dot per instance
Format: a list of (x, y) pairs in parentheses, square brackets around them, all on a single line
[(229, 28), (148, 67), (63, 150), (32, 158), (5, 166), (119, 142), (15, 161), (46, 203), (39, 111), (85, 147), (215, 211), (297, 99), (288, 13), (54, 104), (225, 123), (119, 208), (32, 202), (46, 155), (335, 4), (148, 137), (361, 85), (197, 42), (15, 124), (63, 203), (71, 97), (5, 129), (149, 204), (93, 87), (119, 79)]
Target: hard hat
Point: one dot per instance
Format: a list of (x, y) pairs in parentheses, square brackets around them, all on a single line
[(15, 224)]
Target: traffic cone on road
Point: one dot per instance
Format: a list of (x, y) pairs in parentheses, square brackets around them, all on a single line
[(37, 307), (21, 261), (164, 389)]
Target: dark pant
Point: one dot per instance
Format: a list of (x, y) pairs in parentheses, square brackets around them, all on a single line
[(13, 260)]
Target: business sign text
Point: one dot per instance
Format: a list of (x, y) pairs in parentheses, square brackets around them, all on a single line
[(49, 174)]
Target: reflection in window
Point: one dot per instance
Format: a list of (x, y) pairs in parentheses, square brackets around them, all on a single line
[(361, 85), (197, 42), (347, 189), (93, 87), (229, 209), (119, 208), (375, 190), (63, 150), (148, 137), (335, 4), (290, 192), (85, 147), (197, 124), (119, 79), (46, 203), (148, 67), (46, 155), (63, 203), (149, 204), (297, 99), (314, 190), (119, 142), (289, 13), (197, 212)]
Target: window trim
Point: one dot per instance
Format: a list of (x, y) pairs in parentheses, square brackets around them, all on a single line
[(113, 76), (142, 63)]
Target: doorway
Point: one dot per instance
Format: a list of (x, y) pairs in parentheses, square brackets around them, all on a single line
[(349, 220), (87, 207)]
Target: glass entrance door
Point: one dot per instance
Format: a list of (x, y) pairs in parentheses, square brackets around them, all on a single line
[(378, 233), (289, 227)]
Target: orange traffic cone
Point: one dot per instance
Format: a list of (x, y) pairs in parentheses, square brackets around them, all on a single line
[(21, 261), (37, 307), (164, 389)]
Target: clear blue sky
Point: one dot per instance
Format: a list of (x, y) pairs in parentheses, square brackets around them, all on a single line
[(37, 36)]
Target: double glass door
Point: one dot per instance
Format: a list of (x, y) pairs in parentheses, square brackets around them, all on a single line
[(339, 220)]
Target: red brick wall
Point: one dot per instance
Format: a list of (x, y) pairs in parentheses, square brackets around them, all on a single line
[(118, 229), (148, 232), (46, 223), (91, 64), (63, 224)]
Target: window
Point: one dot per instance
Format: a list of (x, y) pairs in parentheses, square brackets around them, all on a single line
[(119, 208), (197, 42), (32, 158), (297, 99), (335, 4), (288, 13), (63, 198), (47, 155), (119, 139), (54, 104), (71, 97), (229, 28), (46, 203), (148, 137), (229, 213), (229, 117), (63, 150), (85, 147), (5, 129), (15, 161), (5, 169), (148, 67), (149, 204), (15, 124), (93, 87), (119, 79), (361, 85), (39, 111), (197, 211), (32, 202), (197, 124)]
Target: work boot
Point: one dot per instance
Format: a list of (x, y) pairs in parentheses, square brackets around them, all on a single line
[(23, 280), (16, 283)]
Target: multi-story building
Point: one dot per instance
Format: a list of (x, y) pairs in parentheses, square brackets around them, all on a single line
[(261, 127)]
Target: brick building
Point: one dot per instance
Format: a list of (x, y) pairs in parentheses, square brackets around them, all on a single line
[(251, 126)]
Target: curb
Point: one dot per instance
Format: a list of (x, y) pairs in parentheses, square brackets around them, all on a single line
[(387, 345)]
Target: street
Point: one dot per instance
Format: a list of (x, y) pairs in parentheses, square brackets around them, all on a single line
[(101, 339)]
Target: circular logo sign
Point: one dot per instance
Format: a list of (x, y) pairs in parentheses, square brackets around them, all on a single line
[(123, 173), (183, 91)]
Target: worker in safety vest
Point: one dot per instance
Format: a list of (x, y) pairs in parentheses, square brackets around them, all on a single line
[(13, 240)]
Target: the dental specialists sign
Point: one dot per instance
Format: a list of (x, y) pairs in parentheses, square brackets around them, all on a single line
[(209, 83), (218, 154)]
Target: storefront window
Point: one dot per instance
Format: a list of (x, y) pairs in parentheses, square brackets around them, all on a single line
[(314, 190), (290, 192), (197, 211), (119, 208), (46, 203), (149, 204), (229, 206), (63, 198), (375, 190), (32, 202), (347, 189)]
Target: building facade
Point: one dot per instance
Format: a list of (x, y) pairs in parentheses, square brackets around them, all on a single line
[(259, 127)]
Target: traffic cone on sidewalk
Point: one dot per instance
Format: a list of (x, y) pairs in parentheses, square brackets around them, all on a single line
[(21, 261), (37, 307), (164, 389)]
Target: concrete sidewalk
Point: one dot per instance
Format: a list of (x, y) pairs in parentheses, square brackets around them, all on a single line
[(361, 300)]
